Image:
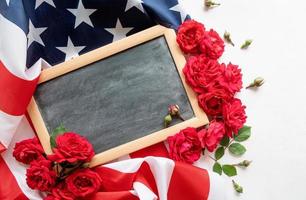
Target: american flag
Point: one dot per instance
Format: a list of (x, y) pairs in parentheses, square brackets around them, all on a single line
[(38, 34), (58, 30)]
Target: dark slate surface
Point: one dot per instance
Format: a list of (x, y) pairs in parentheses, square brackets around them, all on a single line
[(118, 99)]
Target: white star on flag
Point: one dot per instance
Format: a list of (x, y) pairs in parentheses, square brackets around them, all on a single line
[(34, 34), (119, 32), (39, 2), (132, 3), (71, 51), (82, 14), (179, 9), (8, 2)]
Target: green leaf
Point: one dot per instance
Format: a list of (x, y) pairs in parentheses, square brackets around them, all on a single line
[(219, 153), (225, 141), (229, 170), (237, 149), (243, 134), (57, 131), (217, 168)]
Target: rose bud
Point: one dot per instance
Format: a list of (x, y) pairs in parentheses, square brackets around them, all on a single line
[(244, 163), (174, 111), (211, 4), (246, 44), (259, 81), (237, 187), (167, 120), (227, 37)]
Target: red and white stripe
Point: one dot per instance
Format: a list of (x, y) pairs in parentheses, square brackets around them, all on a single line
[(142, 177), (16, 83)]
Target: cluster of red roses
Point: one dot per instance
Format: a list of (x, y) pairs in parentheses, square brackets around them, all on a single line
[(63, 175), (216, 85)]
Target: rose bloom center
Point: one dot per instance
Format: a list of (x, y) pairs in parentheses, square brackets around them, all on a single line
[(82, 182)]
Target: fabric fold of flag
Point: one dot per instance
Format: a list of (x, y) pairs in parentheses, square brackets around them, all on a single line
[(154, 178)]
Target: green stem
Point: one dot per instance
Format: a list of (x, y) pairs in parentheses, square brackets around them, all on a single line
[(250, 86), (212, 158), (180, 117), (230, 142)]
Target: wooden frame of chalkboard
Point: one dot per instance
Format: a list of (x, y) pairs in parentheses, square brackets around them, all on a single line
[(125, 44)]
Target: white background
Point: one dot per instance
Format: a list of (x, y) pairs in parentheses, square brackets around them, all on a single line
[(277, 110)]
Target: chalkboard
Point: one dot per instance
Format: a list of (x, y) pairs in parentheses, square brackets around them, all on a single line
[(118, 95), (117, 99)]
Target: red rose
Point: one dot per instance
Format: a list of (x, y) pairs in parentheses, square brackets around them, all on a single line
[(212, 45), (189, 35), (40, 175), (28, 150), (211, 137), (60, 192), (185, 146), (234, 116), (201, 71), (231, 78), (51, 197), (83, 183), (72, 147), (211, 102)]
